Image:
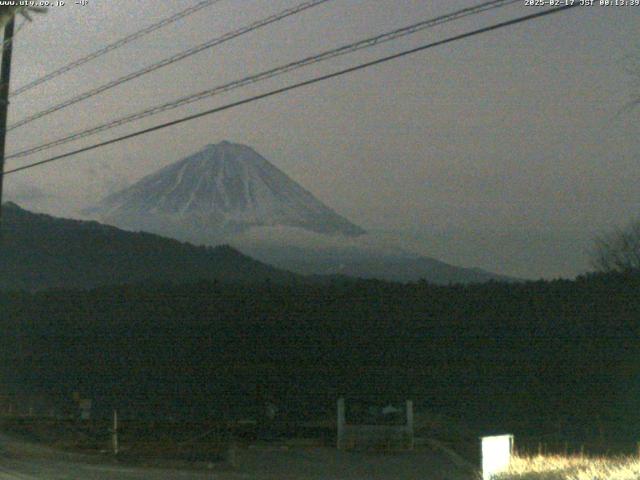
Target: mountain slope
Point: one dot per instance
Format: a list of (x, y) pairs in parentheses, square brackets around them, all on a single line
[(388, 265), (40, 251), (220, 190)]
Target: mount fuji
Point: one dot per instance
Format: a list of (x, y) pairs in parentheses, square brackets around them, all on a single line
[(222, 190), (228, 193)]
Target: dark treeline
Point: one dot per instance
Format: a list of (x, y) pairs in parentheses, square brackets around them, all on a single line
[(529, 356)]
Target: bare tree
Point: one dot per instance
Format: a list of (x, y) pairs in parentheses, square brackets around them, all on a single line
[(632, 69), (619, 250)]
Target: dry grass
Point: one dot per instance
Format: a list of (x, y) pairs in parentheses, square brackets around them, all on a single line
[(572, 468)]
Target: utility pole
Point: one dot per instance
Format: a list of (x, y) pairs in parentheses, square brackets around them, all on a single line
[(5, 76)]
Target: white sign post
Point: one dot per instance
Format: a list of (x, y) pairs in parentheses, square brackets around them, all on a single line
[(496, 455)]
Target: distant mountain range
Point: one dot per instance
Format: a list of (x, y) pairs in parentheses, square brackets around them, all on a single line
[(228, 193), (39, 251), (387, 265)]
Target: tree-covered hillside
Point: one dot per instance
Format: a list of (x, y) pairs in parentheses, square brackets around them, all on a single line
[(504, 356), (39, 251)]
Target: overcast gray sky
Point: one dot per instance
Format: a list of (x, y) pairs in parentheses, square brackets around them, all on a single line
[(505, 151)]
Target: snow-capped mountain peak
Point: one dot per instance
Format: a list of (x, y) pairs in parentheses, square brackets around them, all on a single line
[(224, 188)]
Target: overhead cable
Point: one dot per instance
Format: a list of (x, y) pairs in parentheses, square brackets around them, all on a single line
[(297, 86), (168, 61), (113, 46), (277, 71)]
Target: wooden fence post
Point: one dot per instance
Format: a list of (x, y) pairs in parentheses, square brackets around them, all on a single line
[(341, 422), (114, 433)]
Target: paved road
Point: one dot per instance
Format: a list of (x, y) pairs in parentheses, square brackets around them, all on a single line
[(273, 463), (34, 469)]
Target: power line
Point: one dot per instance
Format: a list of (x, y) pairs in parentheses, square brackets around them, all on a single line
[(298, 85), (170, 60), (280, 70), (115, 45)]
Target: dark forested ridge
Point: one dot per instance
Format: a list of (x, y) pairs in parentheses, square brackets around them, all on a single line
[(40, 251), (507, 356)]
